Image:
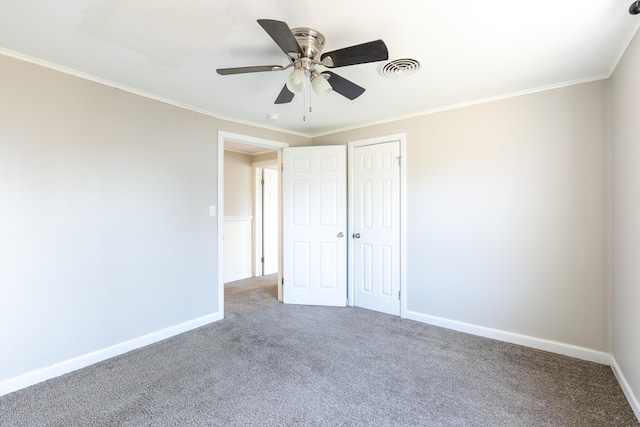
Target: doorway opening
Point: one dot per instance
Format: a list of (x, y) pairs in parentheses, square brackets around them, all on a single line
[(298, 165), (237, 217)]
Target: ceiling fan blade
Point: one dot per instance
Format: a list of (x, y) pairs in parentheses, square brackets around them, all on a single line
[(242, 70), (343, 86), (359, 54), (285, 96), (281, 34)]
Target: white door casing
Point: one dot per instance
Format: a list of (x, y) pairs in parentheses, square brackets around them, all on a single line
[(375, 226), (270, 221), (314, 225), (218, 211), (222, 136)]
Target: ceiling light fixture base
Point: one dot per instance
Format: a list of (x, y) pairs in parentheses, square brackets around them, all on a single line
[(310, 40)]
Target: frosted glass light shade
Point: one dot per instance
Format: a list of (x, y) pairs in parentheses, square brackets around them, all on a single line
[(297, 81), (320, 85)]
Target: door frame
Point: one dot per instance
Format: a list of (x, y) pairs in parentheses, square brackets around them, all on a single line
[(258, 213), (248, 140), (402, 139)]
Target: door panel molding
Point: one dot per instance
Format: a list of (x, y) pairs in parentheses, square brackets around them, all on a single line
[(314, 191), (402, 139)]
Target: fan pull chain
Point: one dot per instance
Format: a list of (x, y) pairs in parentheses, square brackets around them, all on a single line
[(304, 103)]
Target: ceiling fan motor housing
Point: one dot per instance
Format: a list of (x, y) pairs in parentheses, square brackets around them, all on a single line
[(310, 40)]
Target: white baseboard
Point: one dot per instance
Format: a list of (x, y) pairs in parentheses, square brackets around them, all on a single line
[(34, 377), (497, 334), (237, 277), (578, 352), (626, 388)]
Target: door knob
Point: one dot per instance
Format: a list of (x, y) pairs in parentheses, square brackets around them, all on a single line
[(356, 235), (341, 234)]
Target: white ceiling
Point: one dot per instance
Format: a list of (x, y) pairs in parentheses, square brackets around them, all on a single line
[(470, 50)]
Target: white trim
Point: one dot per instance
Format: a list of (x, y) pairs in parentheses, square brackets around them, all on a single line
[(110, 83), (280, 167), (238, 218), (350, 227), (257, 153), (220, 222), (237, 277), (403, 225), (234, 228), (266, 164), (34, 377), (249, 140), (256, 229), (464, 104), (524, 340), (626, 388), (402, 139), (258, 168), (148, 95)]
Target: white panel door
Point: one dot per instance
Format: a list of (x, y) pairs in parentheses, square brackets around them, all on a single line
[(376, 227), (270, 221), (314, 225)]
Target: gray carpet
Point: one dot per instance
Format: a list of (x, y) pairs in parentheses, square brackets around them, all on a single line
[(270, 364)]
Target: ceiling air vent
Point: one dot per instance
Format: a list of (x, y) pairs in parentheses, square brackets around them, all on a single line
[(401, 67)]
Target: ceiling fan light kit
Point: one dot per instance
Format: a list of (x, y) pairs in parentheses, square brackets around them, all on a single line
[(297, 81), (303, 47), (321, 87)]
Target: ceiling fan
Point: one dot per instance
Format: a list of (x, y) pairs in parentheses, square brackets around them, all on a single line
[(303, 47)]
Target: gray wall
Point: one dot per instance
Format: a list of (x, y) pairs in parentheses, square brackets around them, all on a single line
[(271, 155), (105, 234), (507, 213), (238, 184), (625, 112)]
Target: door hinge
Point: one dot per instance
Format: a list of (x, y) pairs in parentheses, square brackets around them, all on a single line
[(282, 166), (262, 182), (399, 293), (399, 160), (262, 259)]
